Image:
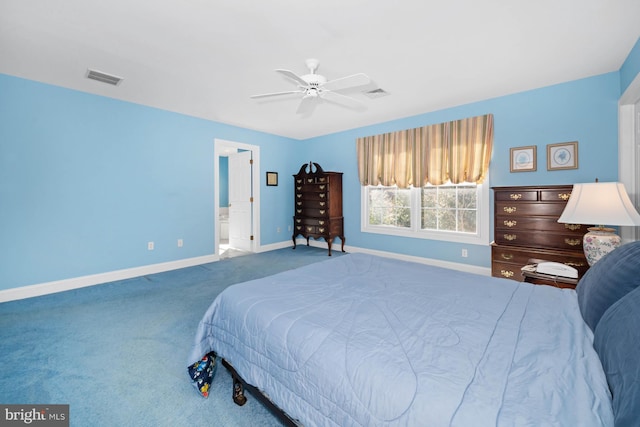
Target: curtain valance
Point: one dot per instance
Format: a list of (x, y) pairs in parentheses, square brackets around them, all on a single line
[(457, 151)]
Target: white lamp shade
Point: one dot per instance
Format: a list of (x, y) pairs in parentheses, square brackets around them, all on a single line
[(600, 203)]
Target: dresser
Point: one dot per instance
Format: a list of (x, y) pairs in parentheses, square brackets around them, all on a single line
[(318, 205), (526, 227)]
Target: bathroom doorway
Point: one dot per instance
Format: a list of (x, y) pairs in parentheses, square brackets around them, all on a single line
[(236, 198)]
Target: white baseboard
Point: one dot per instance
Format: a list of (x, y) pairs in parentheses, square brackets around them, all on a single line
[(96, 279), (484, 271)]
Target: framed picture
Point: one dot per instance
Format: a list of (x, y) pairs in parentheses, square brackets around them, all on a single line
[(562, 156), (523, 159), (272, 179)]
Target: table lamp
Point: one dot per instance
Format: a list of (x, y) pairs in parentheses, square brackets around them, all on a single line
[(599, 203)]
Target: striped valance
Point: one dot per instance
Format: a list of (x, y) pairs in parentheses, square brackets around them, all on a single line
[(456, 152)]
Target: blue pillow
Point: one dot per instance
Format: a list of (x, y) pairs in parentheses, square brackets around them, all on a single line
[(608, 280), (617, 341)]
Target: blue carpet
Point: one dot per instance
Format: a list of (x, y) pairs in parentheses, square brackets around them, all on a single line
[(116, 353)]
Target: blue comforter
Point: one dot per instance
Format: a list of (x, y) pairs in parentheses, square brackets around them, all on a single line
[(361, 340)]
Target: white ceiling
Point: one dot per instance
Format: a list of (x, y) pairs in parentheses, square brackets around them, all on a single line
[(205, 58)]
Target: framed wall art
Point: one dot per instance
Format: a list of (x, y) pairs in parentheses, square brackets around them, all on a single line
[(562, 156), (523, 159), (272, 179)]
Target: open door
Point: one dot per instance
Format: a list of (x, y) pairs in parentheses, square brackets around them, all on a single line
[(240, 201)]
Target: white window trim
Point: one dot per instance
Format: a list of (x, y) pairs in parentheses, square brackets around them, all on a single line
[(479, 238)]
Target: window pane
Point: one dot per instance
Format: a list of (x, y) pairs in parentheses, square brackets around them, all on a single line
[(449, 208), (447, 197), (447, 220), (467, 221), (429, 197), (466, 197), (389, 206)]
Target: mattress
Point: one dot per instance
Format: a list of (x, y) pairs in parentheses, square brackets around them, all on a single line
[(361, 340)]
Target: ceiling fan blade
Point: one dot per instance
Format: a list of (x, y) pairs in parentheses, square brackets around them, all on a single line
[(307, 105), (265, 95), (359, 79), (293, 76), (343, 100)]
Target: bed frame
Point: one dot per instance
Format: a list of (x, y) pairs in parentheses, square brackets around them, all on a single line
[(239, 385)]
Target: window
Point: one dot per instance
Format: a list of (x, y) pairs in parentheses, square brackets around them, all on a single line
[(457, 213)]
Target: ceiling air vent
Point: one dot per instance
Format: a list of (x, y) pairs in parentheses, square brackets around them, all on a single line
[(103, 77), (376, 93)]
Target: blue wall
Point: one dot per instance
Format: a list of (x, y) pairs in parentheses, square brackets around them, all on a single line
[(585, 111), (630, 68), (86, 181)]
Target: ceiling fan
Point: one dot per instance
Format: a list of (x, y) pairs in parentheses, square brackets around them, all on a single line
[(315, 88)]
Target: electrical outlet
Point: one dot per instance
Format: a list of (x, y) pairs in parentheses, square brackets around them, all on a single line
[(464, 253), (180, 243), (150, 246)]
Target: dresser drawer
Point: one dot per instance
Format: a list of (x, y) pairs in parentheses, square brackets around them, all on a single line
[(303, 221), (517, 195), (539, 239), (527, 208), (556, 195), (541, 223), (512, 259), (507, 271)]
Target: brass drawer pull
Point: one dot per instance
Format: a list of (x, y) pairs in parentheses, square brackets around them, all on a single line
[(572, 242), (298, 195), (510, 237), (298, 220), (298, 227), (321, 222), (322, 187), (299, 203), (321, 229), (515, 196), (323, 203), (506, 273), (322, 211), (510, 223), (299, 181), (564, 196), (299, 210), (573, 227), (576, 264), (507, 256), (309, 179), (321, 195), (510, 209), (309, 229)]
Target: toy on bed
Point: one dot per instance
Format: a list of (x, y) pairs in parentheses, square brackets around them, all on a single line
[(365, 340)]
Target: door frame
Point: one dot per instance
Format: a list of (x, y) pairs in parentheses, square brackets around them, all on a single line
[(629, 150), (222, 148)]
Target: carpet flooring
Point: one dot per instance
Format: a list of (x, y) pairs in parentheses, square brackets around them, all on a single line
[(116, 352)]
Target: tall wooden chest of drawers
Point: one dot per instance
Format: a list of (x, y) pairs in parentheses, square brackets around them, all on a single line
[(318, 205), (526, 226)]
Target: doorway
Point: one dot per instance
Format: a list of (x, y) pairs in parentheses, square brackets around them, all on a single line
[(236, 198)]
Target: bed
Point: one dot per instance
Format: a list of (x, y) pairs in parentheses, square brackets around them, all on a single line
[(362, 340)]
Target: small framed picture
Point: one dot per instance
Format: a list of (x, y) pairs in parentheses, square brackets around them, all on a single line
[(562, 156), (523, 159), (272, 179)]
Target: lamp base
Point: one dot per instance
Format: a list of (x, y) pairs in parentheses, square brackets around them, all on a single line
[(598, 242)]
